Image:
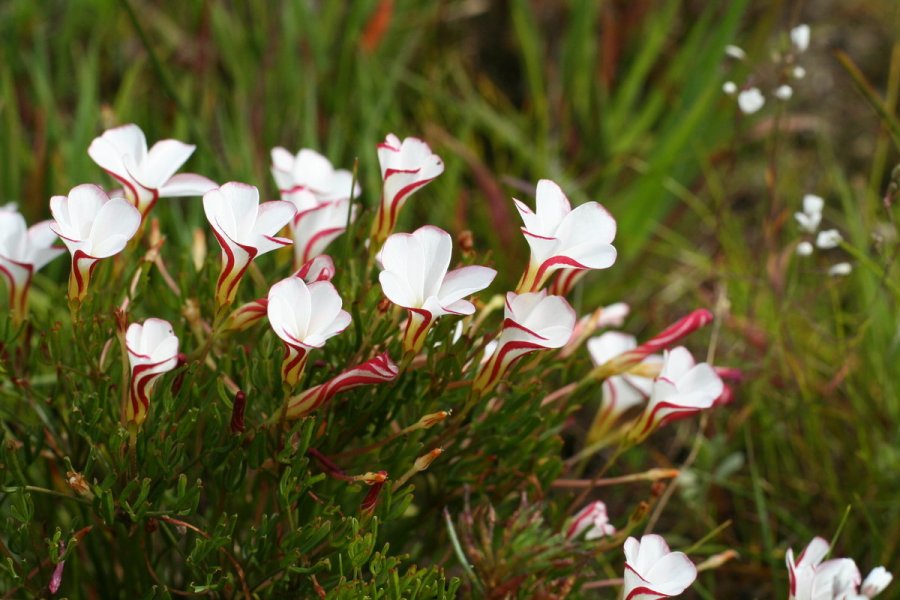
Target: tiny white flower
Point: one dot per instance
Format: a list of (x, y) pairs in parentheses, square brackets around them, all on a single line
[(875, 582), (784, 92), (800, 37), (840, 269), (828, 239), (804, 248), (751, 100), (811, 216), (593, 519), (799, 72), (730, 88), (735, 52)]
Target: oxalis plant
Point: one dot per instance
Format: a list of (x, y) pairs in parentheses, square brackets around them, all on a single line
[(266, 420)]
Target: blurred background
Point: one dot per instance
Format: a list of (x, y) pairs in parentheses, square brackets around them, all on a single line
[(620, 101)]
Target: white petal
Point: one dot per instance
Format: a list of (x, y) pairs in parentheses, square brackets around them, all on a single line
[(289, 309), (678, 361), (552, 205), (462, 282), (396, 290), (186, 184), (116, 222), (163, 160), (609, 345), (436, 245), (813, 204)]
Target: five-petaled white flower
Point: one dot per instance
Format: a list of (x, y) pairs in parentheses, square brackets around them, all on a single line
[(380, 369), (811, 215), (415, 277), (23, 250), (244, 229), (828, 239), (652, 571), (683, 388), (146, 175), (152, 351), (800, 37), (405, 167), (620, 392), (563, 238), (593, 519), (532, 322), (311, 172), (304, 317), (751, 100), (92, 226)]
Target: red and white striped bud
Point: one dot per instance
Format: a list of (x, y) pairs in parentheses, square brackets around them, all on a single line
[(380, 369)]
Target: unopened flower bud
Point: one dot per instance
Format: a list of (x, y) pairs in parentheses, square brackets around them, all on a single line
[(433, 419), (424, 461), (237, 412), (198, 248), (78, 484)]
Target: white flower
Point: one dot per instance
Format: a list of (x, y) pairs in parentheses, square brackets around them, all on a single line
[(683, 388), (146, 175), (875, 582), (23, 251), (735, 52), (593, 519), (798, 72), (811, 216), (828, 239), (804, 248), (751, 100), (532, 322), (304, 317), (92, 226), (652, 571), (730, 88), (405, 167), (800, 37), (310, 171), (784, 92), (563, 238), (152, 351), (244, 229), (812, 579), (415, 277), (840, 269)]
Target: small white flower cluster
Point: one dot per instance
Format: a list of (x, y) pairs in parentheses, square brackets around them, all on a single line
[(809, 220), (750, 99)]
